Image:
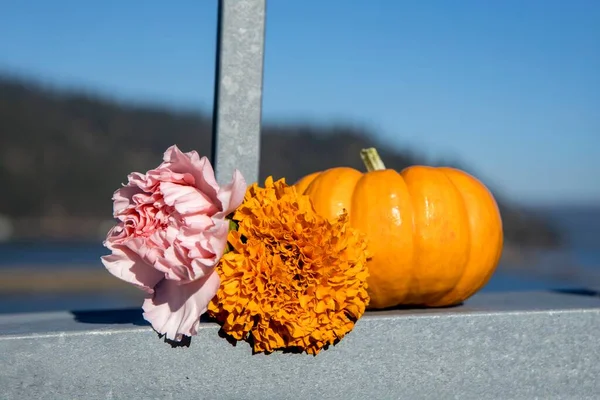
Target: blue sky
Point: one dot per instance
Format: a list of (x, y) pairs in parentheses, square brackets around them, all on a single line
[(510, 88)]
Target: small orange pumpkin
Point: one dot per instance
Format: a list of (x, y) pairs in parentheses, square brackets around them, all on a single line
[(435, 234)]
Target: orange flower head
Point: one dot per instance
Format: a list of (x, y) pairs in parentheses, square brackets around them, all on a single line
[(293, 279)]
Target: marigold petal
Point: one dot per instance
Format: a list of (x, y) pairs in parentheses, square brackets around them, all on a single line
[(292, 279)]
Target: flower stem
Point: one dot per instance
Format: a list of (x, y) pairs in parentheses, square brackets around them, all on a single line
[(371, 159), (233, 226)]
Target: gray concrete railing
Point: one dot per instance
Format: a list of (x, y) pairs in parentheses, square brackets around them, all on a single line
[(496, 346)]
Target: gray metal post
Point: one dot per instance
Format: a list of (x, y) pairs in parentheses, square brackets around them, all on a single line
[(238, 88)]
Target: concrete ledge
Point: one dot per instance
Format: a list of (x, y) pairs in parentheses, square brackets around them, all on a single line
[(497, 346)]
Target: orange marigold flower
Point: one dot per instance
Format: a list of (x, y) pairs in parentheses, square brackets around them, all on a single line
[(292, 280)]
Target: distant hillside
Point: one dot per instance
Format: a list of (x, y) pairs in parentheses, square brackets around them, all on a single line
[(579, 224), (63, 154)]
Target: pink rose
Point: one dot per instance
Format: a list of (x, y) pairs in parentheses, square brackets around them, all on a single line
[(171, 233)]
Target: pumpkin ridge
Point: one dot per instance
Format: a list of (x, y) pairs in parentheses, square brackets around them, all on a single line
[(476, 274), (470, 241), (464, 203), (441, 253), (413, 279)]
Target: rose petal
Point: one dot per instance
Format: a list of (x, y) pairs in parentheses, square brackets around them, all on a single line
[(232, 194), (116, 235), (173, 263), (137, 179), (193, 253), (128, 266), (187, 199), (200, 168), (122, 198), (175, 309), (206, 247), (145, 249), (206, 180), (199, 222), (173, 223)]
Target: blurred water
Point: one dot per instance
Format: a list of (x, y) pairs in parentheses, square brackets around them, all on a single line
[(43, 302), (86, 256), (582, 249), (50, 254), (94, 301)]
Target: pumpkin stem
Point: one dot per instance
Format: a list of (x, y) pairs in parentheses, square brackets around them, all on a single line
[(371, 159)]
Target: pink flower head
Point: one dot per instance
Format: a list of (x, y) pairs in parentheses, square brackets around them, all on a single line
[(171, 233)]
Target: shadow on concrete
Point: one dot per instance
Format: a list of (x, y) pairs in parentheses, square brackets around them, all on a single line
[(121, 316), (109, 317), (577, 292), (128, 316)]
